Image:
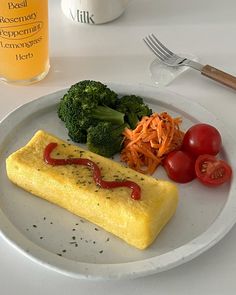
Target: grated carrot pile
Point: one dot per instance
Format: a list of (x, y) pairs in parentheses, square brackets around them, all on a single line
[(154, 137)]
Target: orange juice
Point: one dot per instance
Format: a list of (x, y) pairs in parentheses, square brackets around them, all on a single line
[(23, 40)]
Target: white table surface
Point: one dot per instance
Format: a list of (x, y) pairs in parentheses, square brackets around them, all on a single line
[(115, 52)]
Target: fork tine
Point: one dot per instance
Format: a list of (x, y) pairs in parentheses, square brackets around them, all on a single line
[(153, 49), (158, 47), (153, 44), (162, 45)]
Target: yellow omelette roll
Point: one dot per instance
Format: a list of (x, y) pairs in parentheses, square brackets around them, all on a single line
[(138, 222)]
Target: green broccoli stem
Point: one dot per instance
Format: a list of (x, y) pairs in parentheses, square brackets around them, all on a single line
[(103, 113), (118, 130), (132, 119)]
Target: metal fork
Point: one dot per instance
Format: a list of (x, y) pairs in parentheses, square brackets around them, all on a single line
[(171, 59)]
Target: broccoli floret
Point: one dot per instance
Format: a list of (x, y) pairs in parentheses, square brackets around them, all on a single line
[(84, 105), (134, 109), (105, 139)]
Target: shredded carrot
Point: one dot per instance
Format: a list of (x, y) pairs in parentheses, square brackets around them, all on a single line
[(155, 136)]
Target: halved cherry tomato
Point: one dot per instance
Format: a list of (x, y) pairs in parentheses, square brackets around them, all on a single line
[(202, 139), (179, 166), (211, 171)]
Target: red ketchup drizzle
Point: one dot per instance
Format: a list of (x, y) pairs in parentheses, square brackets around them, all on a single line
[(136, 190)]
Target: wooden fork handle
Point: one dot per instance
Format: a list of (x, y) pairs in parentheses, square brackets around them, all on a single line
[(219, 76)]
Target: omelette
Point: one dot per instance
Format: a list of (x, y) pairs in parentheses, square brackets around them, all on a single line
[(137, 221)]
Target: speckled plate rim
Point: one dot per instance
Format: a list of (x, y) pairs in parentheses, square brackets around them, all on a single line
[(214, 233)]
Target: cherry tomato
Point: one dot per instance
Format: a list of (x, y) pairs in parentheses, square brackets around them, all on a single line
[(179, 166), (211, 171), (202, 139)]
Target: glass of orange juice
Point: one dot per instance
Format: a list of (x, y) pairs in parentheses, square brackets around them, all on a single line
[(24, 54)]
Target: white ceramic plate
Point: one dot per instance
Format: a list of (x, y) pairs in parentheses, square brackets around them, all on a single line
[(70, 245)]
